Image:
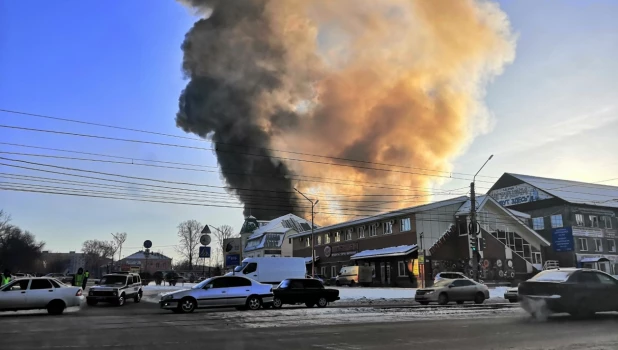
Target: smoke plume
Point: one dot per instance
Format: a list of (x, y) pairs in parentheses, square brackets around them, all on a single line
[(390, 81)]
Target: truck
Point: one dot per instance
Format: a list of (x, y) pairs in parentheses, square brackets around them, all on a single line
[(355, 275), (271, 270)]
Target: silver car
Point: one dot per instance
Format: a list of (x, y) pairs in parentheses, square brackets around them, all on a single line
[(458, 290), (449, 276), (511, 295), (225, 291)]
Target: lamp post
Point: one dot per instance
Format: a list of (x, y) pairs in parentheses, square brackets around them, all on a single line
[(313, 204), (473, 229)]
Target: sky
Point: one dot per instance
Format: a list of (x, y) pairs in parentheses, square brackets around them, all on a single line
[(554, 109)]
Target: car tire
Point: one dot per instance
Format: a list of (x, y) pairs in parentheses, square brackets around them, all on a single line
[(121, 300), (581, 311), (187, 305), (479, 298), (322, 302), (309, 304), (92, 302), (459, 302), (137, 298), (277, 303), (443, 299), (423, 302), (512, 300), (254, 303), (56, 307)]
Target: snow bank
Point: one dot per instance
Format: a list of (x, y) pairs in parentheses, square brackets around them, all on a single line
[(348, 293)]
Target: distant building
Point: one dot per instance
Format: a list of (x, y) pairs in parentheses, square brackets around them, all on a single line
[(140, 262), (272, 239)]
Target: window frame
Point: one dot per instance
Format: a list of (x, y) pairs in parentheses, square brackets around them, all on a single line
[(361, 231), (400, 272), (385, 225), (581, 246), (552, 221), (598, 245), (373, 230), (348, 234), (319, 242), (32, 281), (407, 221), (327, 238), (593, 219), (613, 250), (578, 222), (540, 219), (606, 220), (333, 271), (337, 236)]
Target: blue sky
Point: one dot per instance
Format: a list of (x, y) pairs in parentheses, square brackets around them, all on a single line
[(118, 63)]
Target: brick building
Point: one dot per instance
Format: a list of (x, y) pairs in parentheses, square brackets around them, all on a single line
[(141, 262)]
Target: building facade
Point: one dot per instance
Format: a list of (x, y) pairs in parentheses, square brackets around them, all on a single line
[(142, 262), (272, 239)]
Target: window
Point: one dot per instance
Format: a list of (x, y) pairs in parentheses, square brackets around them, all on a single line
[(130, 280), (402, 269), (55, 283), (307, 241), (579, 219), (157, 265), (607, 220), (556, 221), (536, 258), (337, 236), (598, 245), (252, 267), (40, 284), (21, 284), (538, 224), (388, 227), (333, 271), (605, 279), (405, 225), (219, 283), (611, 245), (312, 284), (348, 235), (552, 276), (583, 244), (238, 282), (463, 283), (373, 230), (327, 238), (319, 239), (323, 270), (594, 221), (361, 232)]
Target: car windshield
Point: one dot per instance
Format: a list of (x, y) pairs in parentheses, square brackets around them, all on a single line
[(284, 284), (113, 280), (203, 283), (240, 267), (552, 276)]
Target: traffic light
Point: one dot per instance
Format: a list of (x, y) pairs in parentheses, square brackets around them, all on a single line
[(483, 243), (473, 243)]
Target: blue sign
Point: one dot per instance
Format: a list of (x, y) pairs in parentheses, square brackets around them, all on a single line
[(232, 260), (562, 239), (204, 252)]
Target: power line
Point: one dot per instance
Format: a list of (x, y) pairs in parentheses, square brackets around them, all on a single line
[(223, 143)]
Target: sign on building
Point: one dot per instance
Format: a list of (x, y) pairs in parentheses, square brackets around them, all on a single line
[(562, 239), (587, 232), (518, 194)]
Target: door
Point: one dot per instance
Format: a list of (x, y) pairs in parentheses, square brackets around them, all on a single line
[(238, 290), (251, 271), (40, 293), (467, 289), (13, 295), (456, 290), (605, 290), (296, 291), (213, 294)]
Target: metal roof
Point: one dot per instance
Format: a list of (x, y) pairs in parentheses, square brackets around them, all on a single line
[(385, 252)]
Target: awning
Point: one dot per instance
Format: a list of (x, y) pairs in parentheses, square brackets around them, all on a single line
[(385, 252), (594, 259)]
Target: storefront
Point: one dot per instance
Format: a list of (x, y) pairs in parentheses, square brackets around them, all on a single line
[(392, 266)]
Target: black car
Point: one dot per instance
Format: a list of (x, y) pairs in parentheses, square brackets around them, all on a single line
[(579, 292), (303, 291)]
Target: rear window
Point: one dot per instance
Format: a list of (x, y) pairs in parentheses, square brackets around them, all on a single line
[(552, 276)]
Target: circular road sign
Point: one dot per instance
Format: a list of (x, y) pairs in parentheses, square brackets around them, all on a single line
[(205, 239), (147, 244)]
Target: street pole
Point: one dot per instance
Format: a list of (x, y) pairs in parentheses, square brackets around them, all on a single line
[(474, 229), (313, 204)]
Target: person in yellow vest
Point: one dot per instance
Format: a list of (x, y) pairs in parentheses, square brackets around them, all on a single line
[(78, 278), (5, 278), (86, 276)]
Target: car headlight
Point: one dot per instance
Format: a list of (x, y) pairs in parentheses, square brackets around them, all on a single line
[(167, 297)]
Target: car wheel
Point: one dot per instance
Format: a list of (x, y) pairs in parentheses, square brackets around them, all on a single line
[(187, 305), (581, 311), (55, 307), (322, 302), (479, 298), (137, 298), (92, 302), (513, 300), (121, 300), (277, 303), (309, 304), (460, 302), (443, 299), (423, 302), (254, 303)]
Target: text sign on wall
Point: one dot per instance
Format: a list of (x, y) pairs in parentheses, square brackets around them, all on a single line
[(587, 232), (562, 239), (518, 194)]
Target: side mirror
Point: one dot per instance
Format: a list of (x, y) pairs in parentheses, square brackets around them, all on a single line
[(451, 286)]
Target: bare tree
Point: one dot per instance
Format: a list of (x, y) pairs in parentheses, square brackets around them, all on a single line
[(119, 239), (97, 252), (189, 233), (221, 234)]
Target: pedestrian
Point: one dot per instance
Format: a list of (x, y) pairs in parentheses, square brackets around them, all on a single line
[(5, 278), (78, 278), (86, 276)]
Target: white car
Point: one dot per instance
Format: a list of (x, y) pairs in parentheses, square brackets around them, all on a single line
[(39, 293), (449, 276), (225, 291)]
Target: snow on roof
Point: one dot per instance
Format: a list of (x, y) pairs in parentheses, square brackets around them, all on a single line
[(276, 228), (594, 259), (141, 255), (574, 191), (390, 214), (519, 214), (390, 251), (465, 207)]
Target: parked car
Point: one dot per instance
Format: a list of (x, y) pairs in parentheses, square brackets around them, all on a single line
[(306, 291), (224, 291), (32, 293), (116, 288), (449, 276), (511, 295), (579, 292), (271, 270), (354, 275), (458, 290)]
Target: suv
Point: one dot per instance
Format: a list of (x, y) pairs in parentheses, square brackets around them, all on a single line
[(116, 288)]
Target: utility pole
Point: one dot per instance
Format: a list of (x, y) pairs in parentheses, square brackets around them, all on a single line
[(313, 204), (473, 229)]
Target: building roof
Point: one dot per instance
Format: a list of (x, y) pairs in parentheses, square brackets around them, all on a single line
[(140, 255), (574, 191), (279, 226), (387, 215), (385, 252)]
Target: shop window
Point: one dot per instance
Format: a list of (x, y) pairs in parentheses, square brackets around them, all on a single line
[(556, 221), (348, 235), (538, 223), (611, 245), (598, 245), (333, 271), (579, 220), (388, 228), (327, 238), (373, 231), (401, 268), (583, 244), (319, 239), (594, 221), (607, 220), (361, 232), (337, 236), (307, 241), (405, 225)]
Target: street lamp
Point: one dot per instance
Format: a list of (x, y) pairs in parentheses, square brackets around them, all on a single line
[(313, 204), (473, 229)]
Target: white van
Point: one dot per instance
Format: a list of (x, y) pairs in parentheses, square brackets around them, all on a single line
[(271, 270), (354, 275)]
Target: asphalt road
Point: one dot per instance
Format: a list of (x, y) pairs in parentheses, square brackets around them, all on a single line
[(144, 326)]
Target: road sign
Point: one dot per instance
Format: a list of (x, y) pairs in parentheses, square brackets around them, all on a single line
[(147, 244), (205, 252), (205, 239), (232, 260)]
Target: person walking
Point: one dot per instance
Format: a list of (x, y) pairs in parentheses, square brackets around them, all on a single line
[(86, 276), (78, 278), (5, 278)]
